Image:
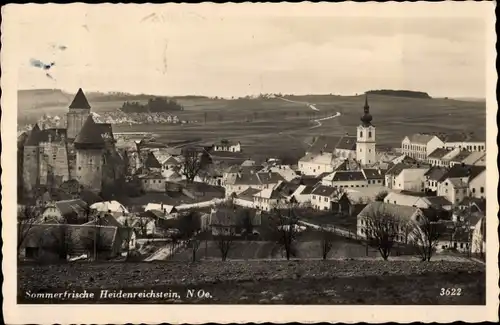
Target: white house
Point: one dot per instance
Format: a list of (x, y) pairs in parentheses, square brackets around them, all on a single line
[(284, 170), (475, 158), (259, 180), (268, 198), (153, 182), (316, 164), (322, 197), (227, 146), (303, 194), (442, 157), (453, 189), (407, 214), (406, 178), (469, 142), (407, 200), (432, 177), (65, 211), (477, 184), (420, 145)]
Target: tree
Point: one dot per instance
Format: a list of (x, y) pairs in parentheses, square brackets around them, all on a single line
[(226, 224), (27, 217), (194, 160), (382, 229), (425, 237), (188, 224), (326, 241), (246, 222), (381, 196), (225, 242), (284, 223), (195, 244)]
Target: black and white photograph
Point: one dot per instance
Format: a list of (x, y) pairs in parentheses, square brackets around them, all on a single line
[(250, 154)]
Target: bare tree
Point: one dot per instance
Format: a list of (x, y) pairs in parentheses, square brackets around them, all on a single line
[(425, 237), (225, 243), (195, 244), (226, 227), (285, 226), (194, 160), (382, 229), (326, 241), (27, 216), (142, 225)]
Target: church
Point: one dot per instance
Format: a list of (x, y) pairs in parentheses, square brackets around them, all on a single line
[(83, 151), (329, 153)]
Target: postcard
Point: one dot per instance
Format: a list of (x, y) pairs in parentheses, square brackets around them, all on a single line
[(195, 163)]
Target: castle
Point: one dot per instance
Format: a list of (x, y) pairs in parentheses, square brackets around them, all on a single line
[(83, 151)]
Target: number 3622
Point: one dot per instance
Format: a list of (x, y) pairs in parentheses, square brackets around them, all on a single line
[(450, 292)]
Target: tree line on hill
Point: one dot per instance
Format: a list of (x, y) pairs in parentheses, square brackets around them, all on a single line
[(400, 93), (154, 105)]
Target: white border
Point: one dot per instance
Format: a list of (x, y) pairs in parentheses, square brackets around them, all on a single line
[(24, 314)]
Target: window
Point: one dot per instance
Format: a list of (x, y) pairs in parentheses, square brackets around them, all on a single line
[(360, 150), (369, 150), (474, 148), (473, 190), (360, 134), (370, 134), (79, 168), (326, 199), (461, 245), (314, 197), (362, 231), (482, 190)]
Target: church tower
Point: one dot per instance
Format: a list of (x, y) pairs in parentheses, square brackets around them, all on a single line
[(79, 111), (365, 145)]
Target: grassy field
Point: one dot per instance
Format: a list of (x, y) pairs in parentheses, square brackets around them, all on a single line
[(264, 282), (266, 126)]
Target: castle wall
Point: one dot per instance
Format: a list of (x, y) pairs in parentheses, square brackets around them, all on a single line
[(30, 167), (53, 163), (89, 164), (75, 120)]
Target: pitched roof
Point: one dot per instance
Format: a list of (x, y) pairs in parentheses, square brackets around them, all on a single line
[(397, 169), (372, 173), (80, 101), (71, 208), (402, 211), (457, 183), (106, 130), (248, 194), (90, 134), (435, 173), (34, 136), (474, 157), (322, 190), (439, 153), (420, 138), (330, 143), (151, 161), (460, 156), (480, 203), (460, 171), (343, 176)]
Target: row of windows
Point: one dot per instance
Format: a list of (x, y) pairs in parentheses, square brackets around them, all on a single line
[(414, 147), (369, 134), (481, 190)]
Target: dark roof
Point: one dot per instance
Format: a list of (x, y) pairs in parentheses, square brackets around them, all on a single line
[(106, 130), (248, 194), (372, 173), (461, 155), (435, 173), (34, 136), (71, 209), (438, 201), (348, 176), (462, 137), (151, 161), (90, 197), (330, 143), (459, 171), (90, 134), (399, 167), (380, 208), (307, 190), (80, 101), (288, 188), (151, 175), (258, 178), (322, 190), (309, 180), (439, 153), (480, 203)]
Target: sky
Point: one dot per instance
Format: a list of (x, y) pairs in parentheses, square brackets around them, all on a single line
[(237, 50)]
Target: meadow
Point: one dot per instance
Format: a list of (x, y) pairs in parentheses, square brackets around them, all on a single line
[(267, 126)]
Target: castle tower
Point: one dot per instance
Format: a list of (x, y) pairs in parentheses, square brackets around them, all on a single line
[(30, 165), (365, 145), (89, 146), (79, 110)]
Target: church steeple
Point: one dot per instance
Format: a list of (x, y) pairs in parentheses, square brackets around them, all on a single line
[(366, 119)]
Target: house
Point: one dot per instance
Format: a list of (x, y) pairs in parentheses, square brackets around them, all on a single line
[(419, 146), (468, 141), (477, 182), (340, 146), (152, 182), (475, 158), (374, 176), (259, 180), (53, 242), (227, 146), (151, 163), (268, 199), (302, 195), (115, 208), (472, 204), (442, 156), (246, 198), (453, 189), (378, 209), (407, 199), (124, 232), (406, 177), (345, 179), (231, 222), (284, 170), (322, 197), (478, 245), (315, 164), (432, 176), (166, 209), (457, 156), (67, 211)]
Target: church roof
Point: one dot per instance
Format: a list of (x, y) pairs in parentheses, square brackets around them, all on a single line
[(80, 101), (34, 136), (330, 143), (151, 161), (366, 119), (90, 134)]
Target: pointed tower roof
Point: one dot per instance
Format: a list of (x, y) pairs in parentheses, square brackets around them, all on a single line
[(80, 101), (366, 119), (34, 136), (151, 161), (90, 135)]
